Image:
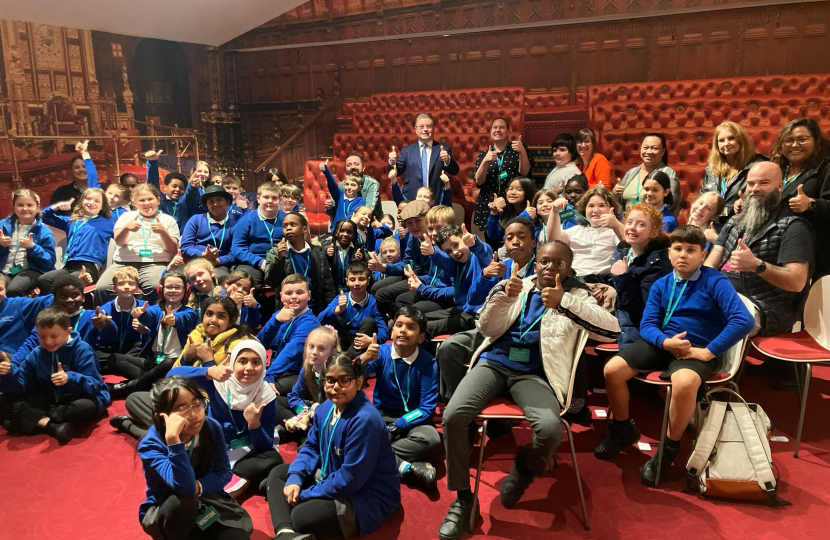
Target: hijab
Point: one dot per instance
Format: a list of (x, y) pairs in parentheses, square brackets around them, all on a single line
[(259, 393)]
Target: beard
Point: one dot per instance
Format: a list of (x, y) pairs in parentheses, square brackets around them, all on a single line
[(354, 171), (756, 212)]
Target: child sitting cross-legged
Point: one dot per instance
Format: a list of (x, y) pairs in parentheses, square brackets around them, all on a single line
[(406, 393), (355, 315), (114, 320), (59, 387), (693, 316)]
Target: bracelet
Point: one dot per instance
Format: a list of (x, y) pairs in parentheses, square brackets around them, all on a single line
[(198, 488)]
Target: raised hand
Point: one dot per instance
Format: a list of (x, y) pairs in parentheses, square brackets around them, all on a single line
[(393, 157), (191, 352), (412, 281), (677, 345), (531, 211), (252, 415), (426, 246), (27, 241), (241, 201), (514, 285), (63, 206), (491, 155), (249, 300), (552, 296), (330, 250), (5, 241), (609, 220), (5, 364), (362, 341), (358, 255), (711, 234), (211, 253), (81, 147), (285, 314), (156, 226), (152, 155), (495, 269), (742, 258), (282, 248), (620, 267), (323, 165), (801, 202), (517, 145), (618, 188), (85, 276), (329, 202), (341, 304), (59, 378), (372, 350), (498, 204), (444, 155), (560, 204), (468, 238), (177, 261), (100, 320), (169, 318), (739, 203), (445, 179)]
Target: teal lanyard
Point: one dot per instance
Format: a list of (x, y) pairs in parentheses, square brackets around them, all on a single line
[(175, 208), (534, 323), (459, 275), (145, 235), (294, 266), (327, 450), (55, 370), (400, 389), (786, 175), (17, 249), (543, 235), (269, 229), (670, 309), (76, 226), (281, 340), (75, 328), (230, 412), (434, 277), (500, 158), (318, 380), (219, 245), (190, 447), (724, 185), (629, 256), (348, 207), (341, 256), (580, 216), (358, 309)]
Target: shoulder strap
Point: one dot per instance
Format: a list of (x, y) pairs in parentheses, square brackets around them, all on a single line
[(708, 438), (755, 448)]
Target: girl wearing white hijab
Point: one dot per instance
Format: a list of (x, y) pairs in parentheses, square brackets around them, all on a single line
[(246, 408)]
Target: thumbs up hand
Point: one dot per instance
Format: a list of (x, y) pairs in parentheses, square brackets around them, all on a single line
[(677, 345), (5, 241), (375, 264), (739, 203), (444, 155), (801, 202), (100, 320), (204, 351), (497, 206), (341, 304), (81, 147), (742, 258), (491, 155), (282, 248), (169, 318), (413, 281), (711, 233), (134, 224), (393, 157), (285, 314), (252, 415), (531, 211), (85, 276), (468, 238), (445, 179), (362, 341), (152, 155), (514, 285), (27, 241), (5, 364), (552, 296), (426, 246), (323, 165), (138, 327), (59, 378), (517, 145), (495, 269), (139, 311), (372, 350), (249, 300), (560, 204), (63, 206)]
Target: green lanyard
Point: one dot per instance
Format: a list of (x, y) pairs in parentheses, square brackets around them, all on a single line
[(77, 226), (294, 266), (786, 175), (629, 256), (281, 340), (17, 249), (724, 185), (269, 229), (190, 447), (670, 309), (75, 328), (165, 333), (327, 450), (534, 323), (400, 389), (359, 309), (145, 235), (230, 412), (580, 216), (55, 370), (219, 245), (459, 275)]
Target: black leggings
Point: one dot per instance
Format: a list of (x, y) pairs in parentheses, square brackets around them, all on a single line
[(71, 267), (30, 408), (177, 518), (255, 466), (316, 516)]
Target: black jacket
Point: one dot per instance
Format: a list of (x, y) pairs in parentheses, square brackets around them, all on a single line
[(319, 273)]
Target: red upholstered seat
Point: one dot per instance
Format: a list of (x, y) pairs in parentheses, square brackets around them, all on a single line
[(796, 347), (607, 347), (654, 377), (442, 337), (501, 408)]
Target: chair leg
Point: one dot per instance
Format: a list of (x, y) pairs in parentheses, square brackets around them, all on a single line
[(663, 436), (808, 373), (578, 477), (798, 382), (478, 473)]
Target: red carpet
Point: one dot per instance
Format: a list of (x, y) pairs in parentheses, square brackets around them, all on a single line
[(91, 488)]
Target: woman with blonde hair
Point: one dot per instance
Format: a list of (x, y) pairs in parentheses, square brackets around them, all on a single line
[(730, 158)]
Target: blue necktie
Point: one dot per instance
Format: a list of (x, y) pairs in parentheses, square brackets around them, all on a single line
[(424, 165)]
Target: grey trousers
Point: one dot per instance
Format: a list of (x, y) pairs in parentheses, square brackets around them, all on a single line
[(451, 356), (484, 383), (420, 443)]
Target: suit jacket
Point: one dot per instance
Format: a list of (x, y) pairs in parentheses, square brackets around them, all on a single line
[(409, 166)]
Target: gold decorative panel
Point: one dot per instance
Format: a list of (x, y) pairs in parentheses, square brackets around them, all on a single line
[(48, 43), (78, 88), (75, 58), (61, 84), (44, 84)]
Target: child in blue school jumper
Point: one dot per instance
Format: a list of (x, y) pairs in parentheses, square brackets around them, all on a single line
[(657, 193), (406, 393), (388, 252), (370, 231), (210, 235), (355, 315), (346, 201), (118, 199), (59, 387), (257, 232), (240, 288), (88, 229), (693, 316), (17, 316), (186, 468), (286, 333), (114, 320), (239, 207), (27, 246), (180, 199), (246, 408), (344, 481)]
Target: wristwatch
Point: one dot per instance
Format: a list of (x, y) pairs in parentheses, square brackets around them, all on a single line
[(392, 429), (813, 205), (761, 267)]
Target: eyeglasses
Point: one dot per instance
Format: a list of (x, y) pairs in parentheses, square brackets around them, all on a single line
[(801, 141), (173, 289), (185, 410), (343, 382), (652, 148), (557, 264), (583, 143), (288, 198)]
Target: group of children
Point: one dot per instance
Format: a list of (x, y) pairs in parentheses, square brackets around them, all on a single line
[(212, 387)]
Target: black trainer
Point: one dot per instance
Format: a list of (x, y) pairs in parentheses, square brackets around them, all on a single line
[(623, 433), (62, 432), (649, 475), (457, 520), (514, 486), (421, 474)]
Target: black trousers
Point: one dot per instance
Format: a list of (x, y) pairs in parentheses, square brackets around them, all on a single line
[(71, 267), (255, 466), (177, 521), (317, 516), (367, 326), (286, 382), (28, 410), (22, 283)]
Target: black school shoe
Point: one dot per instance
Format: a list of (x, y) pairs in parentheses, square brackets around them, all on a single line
[(623, 434), (421, 475), (514, 486), (457, 520), (649, 474), (62, 432)]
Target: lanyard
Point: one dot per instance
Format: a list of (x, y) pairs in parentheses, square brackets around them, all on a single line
[(671, 308), (175, 208), (210, 230), (319, 382), (539, 318), (629, 256), (400, 388), (55, 370), (348, 207), (165, 333), (434, 277), (75, 328), (294, 266), (341, 255), (580, 216), (327, 450), (786, 175), (500, 159), (190, 447), (359, 310), (145, 235), (269, 229), (281, 340), (17, 249), (122, 334), (76, 226), (459, 275), (725, 182), (230, 412)]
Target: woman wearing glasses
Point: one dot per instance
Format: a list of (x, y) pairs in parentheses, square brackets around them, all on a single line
[(654, 156), (592, 164), (344, 481), (804, 157), (186, 468)]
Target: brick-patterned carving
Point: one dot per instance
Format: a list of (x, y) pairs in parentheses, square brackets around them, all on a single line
[(44, 85), (75, 58), (61, 84)]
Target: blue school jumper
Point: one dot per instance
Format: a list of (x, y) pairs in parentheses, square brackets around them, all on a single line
[(167, 469), (354, 314), (236, 213), (254, 236), (523, 336), (200, 232), (180, 210), (358, 459), (86, 239), (17, 318), (343, 208), (373, 237), (286, 341), (300, 393), (669, 221), (119, 335), (406, 390), (422, 265), (81, 323), (464, 275), (79, 362), (494, 229), (118, 212), (482, 286), (41, 256), (186, 322), (234, 425)]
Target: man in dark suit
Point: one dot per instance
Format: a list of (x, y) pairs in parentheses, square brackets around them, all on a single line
[(422, 159)]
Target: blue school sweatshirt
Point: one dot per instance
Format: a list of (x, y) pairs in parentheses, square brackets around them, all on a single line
[(41, 256), (403, 388), (669, 221), (167, 469), (17, 318), (286, 341), (118, 212), (494, 229), (180, 210), (236, 213), (373, 237), (186, 322), (421, 264), (86, 240), (343, 209), (354, 314), (200, 233), (249, 316), (360, 463), (79, 362), (251, 238), (522, 334), (482, 286), (300, 392), (81, 323), (119, 334), (234, 425), (464, 275), (710, 311)]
